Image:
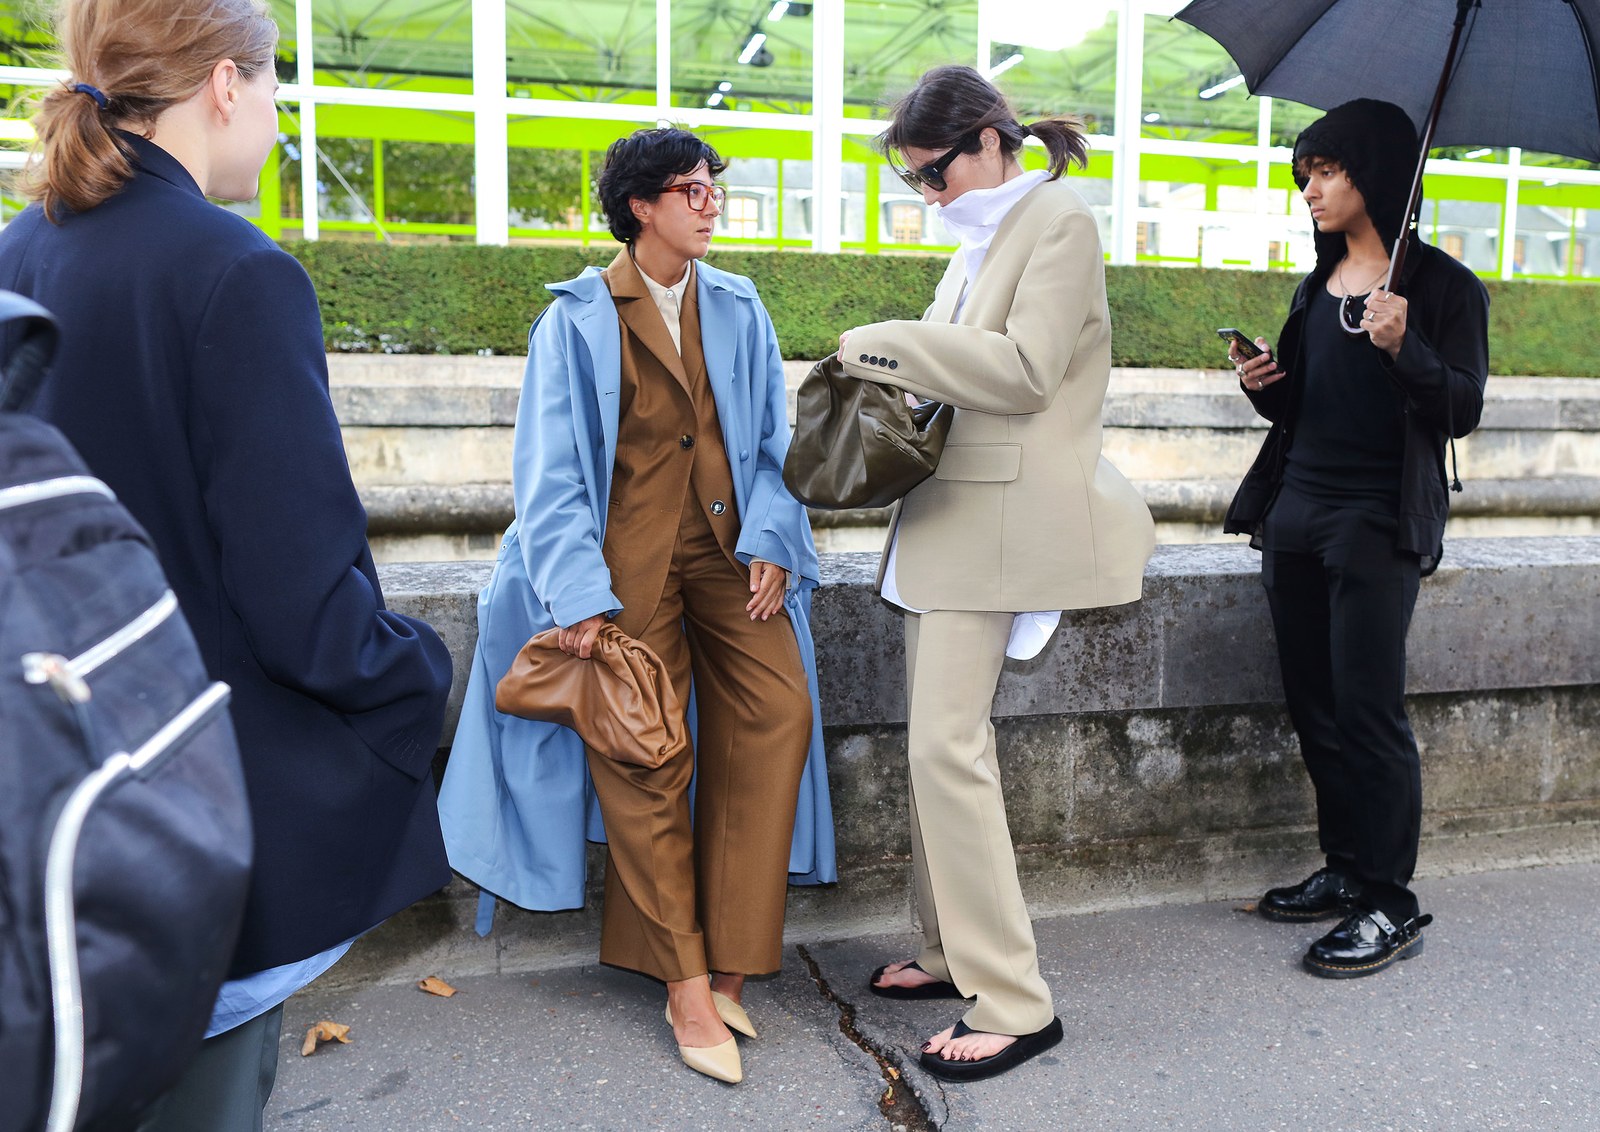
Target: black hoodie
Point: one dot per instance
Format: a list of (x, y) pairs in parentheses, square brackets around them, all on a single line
[(1443, 362)]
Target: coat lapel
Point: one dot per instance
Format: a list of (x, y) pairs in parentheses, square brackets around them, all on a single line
[(640, 314)]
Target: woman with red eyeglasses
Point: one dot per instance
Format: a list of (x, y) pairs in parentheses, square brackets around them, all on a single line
[(650, 439), (1023, 518)]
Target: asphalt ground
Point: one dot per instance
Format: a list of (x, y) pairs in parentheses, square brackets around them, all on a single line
[(1176, 1017)]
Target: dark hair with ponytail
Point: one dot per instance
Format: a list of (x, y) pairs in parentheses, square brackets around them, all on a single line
[(951, 106), (130, 60)]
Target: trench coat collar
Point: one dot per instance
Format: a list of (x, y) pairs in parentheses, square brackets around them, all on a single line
[(596, 322)]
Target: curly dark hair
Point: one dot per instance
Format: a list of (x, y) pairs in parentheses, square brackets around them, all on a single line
[(641, 164)]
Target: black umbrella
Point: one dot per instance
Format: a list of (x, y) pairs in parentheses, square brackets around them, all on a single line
[(1469, 72)]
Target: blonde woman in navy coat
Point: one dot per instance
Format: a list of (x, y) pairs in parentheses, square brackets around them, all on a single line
[(192, 378)]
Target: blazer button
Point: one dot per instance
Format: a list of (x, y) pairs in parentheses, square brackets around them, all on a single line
[(863, 357), (686, 441), (893, 364), (718, 507), (874, 360)]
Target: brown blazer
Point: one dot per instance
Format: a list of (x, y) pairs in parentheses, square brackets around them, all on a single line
[(1024, 513)]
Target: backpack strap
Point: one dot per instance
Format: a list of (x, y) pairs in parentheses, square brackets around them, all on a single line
[(34, 333)]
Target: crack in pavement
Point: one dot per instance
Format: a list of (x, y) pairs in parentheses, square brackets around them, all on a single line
[(900, 1105)]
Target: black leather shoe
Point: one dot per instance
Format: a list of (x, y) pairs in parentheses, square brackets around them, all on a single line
[(1322, 894), (1365, 944)]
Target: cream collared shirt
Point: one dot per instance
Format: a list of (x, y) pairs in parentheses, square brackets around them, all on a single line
[(669, 301)]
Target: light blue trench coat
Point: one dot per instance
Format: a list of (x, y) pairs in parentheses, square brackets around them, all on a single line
[(517, 804)]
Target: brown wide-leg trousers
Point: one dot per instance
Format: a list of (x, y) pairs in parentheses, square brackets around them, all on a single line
[(682, 900)]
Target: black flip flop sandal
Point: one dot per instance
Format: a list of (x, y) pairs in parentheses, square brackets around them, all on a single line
[(1025, 1047), (939, 989)]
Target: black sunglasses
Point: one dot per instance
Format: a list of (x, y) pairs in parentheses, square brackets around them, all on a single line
[(931, 174)]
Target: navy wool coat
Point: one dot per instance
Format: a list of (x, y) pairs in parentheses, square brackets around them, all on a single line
[(192, 379)]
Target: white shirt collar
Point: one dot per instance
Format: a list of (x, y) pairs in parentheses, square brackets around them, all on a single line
[(975, 216), (669, 301)]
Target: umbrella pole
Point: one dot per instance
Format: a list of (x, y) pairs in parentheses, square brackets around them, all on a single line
[(1397, 259)]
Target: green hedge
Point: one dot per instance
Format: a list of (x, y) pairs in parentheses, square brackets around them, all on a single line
[(462, 299)]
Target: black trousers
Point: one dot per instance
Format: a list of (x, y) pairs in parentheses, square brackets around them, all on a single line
[(1341, 597)]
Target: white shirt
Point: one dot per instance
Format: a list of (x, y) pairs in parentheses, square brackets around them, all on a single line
[(974, 217), (669, 301)]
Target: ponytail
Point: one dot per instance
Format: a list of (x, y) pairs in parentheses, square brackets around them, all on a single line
[(1064, 140), (79, 162)]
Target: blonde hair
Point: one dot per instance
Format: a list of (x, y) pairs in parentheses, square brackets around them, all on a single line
[(140, 56)]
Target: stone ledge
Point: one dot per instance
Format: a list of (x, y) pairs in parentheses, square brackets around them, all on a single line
[(488, 507), (444, 392), (1500, 613)]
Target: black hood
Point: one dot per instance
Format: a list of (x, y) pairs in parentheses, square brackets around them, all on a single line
[(1376, 143)]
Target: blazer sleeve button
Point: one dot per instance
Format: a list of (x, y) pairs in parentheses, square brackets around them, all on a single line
[(893, 364), (686, 441)]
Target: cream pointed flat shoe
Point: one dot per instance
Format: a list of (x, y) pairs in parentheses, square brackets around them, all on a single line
[(733, 1015), (719, 1061)]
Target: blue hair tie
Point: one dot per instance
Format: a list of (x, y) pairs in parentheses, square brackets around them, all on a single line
[(92, 92)]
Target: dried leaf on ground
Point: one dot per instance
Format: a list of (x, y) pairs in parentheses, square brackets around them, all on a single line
[(324, 1031), (435, 985), (1250, 908)]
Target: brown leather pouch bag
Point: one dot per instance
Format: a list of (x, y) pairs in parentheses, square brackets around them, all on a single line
[(619, 701)]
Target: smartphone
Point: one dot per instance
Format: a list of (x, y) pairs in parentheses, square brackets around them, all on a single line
[(1247, 348)]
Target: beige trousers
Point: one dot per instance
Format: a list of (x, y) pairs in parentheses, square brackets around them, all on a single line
[(976, 931)]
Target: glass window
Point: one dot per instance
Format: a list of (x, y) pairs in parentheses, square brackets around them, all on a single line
[(797, 200), (720, 60), (1054, 59), (597, 51), (427, 183), (889, 43), (1543, 241), (382, 45), (1192, 90), (750, 211), (853, 208), (1096, 193), (1470, 231), (548, 188), (741, 218), (905, 221)]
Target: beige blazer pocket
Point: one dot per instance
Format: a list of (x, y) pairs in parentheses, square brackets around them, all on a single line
[(983, 463)]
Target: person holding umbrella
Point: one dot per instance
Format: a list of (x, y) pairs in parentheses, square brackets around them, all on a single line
[(1347, 501)]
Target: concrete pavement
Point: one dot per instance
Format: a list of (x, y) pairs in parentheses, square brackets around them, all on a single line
[(1177, 1017)]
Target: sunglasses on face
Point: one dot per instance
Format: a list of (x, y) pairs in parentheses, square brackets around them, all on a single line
[(698, 193), (932, 174)]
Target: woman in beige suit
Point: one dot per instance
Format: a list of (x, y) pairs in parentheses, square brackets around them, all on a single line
[(1023, 519)]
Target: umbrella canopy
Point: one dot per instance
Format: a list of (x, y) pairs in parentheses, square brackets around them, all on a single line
[(1525, 72)]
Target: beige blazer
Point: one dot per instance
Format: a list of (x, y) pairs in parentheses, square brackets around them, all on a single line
[(1024, 513)]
